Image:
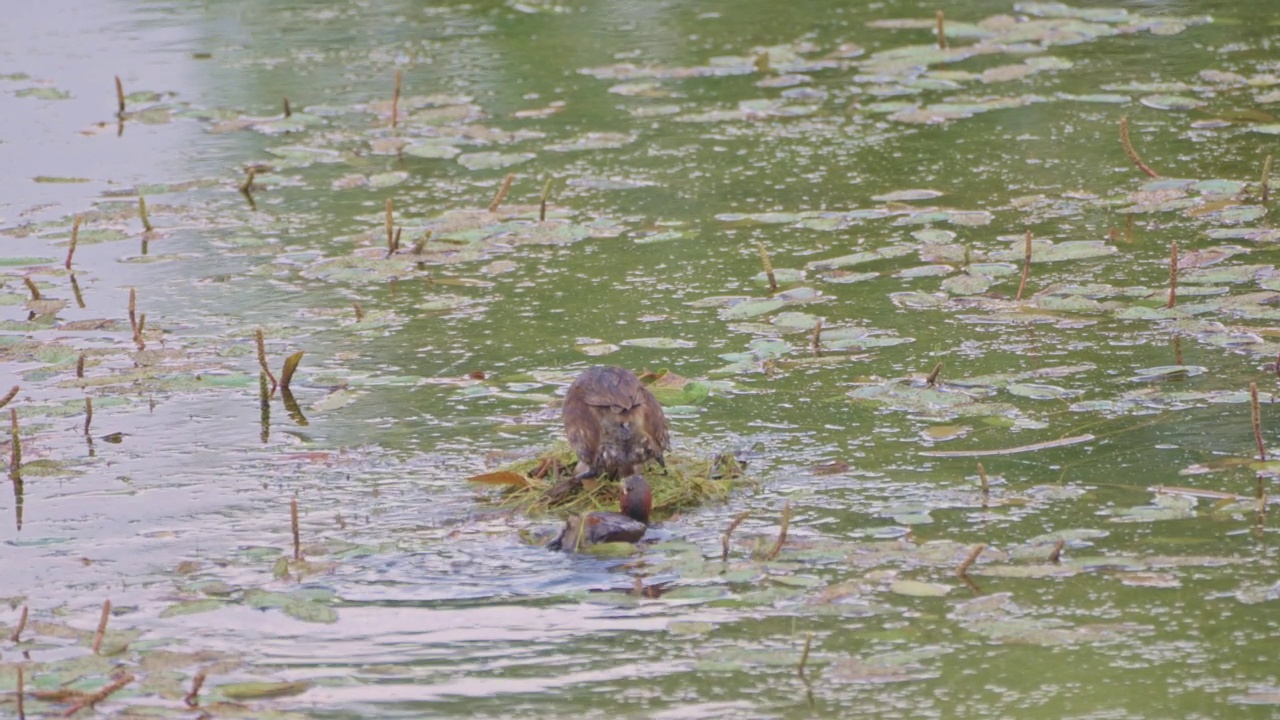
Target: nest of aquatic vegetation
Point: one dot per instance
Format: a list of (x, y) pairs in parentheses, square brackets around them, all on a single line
[(686, 482)]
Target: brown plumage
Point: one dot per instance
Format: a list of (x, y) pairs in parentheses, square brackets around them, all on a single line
[(614, 423)]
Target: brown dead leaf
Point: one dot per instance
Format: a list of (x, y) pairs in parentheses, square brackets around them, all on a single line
[(503, 477)]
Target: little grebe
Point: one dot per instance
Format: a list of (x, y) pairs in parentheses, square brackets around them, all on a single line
[(603, 527)]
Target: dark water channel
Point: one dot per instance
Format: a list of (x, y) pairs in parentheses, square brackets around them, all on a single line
[(893, 185)]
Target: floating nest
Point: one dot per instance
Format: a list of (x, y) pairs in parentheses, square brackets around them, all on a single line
[(687, 482)]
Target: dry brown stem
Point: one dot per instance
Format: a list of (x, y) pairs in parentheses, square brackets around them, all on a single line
[(389, 222), (502, 192), (804, 656), (932, 378), (16, 635), (1266, 179), (1129, 150), (1026, 265), (395, 99), (75, 237), (193, 698), (262, 361), (782, 533), (15, 447), (542, 203), (100, 695), (733, 525), (9, 396), (102, 626), (1055, 555), (963, 570)]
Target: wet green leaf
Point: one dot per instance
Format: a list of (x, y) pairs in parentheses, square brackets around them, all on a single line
[(312, 612), (752, 308), (192, 607), (493, 160), (917, 588)]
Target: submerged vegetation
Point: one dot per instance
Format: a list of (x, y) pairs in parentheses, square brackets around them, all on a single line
[(685, 483)]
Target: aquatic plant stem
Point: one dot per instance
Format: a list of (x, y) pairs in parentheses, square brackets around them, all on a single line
[(389, 222), (133, 311), (290, 366), (288, 111), (262, 361), (9, 396), (502, 192), (804, 655), (1173, 274), (119, 98), (782, 533), (246, 188), (932, 378), (1129, 150), (358, 311), (1255, 409), (1026, 265), (963, 570), (102, 626), (733, 525), (142, 213), (16, 635), (88, 414), (100, 695), (264, 408), (293, 525), (767, 264), (1266, 179), (817, 336), (193, 698), (136, 322), (75, 236), (15, 447), (1055, 555), (542, 202), (982, 475), (31, 288), (75, 290), (941, 31), (395, 99)]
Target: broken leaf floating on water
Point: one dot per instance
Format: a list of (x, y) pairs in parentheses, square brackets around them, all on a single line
[(493, 160), (1163, 507), (659, 343)]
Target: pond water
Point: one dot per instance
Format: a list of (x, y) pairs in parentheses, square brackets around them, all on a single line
[(1129, 569)]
